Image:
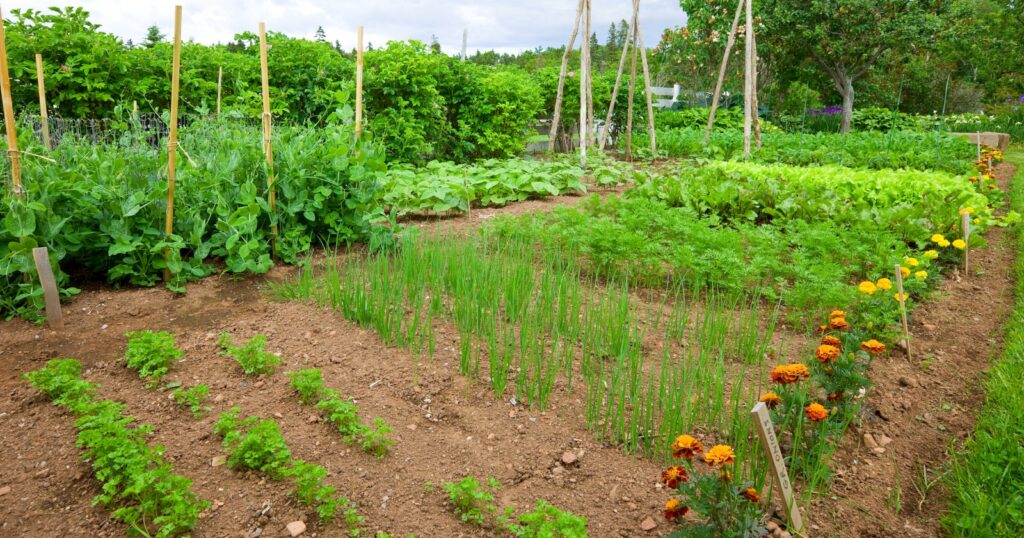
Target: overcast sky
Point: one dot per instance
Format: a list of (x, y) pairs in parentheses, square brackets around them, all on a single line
[(503, 25)]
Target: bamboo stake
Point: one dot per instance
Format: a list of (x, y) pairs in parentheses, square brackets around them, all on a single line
[(268, 149), (465, 38), (9, 120), (584, 74), (44, 116), (730, 41), (977, 136), (359, 82), (618, 82), (557, 113), (748, 77), (220, 80), (591, 135), (172, 137), (647, 84), (965, 219), (632, 89), (902, 297), (135, 110), (756, 118)]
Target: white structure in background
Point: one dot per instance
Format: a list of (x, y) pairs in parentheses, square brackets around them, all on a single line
[(662, 91)]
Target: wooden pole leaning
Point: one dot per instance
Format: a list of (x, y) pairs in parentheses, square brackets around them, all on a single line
[(220, 82), (359, 82), (268, 148), (748, 79), (650, 102), (44, 116), (557, 113), (9, 120), (632, 87), (584, 75), (901, 296), (618, 81), (730, 41), (172, 137)]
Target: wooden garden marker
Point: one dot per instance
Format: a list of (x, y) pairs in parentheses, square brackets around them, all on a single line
[(9, 119), (172, 137), (966, 221), (268, 149), (44, 117), (220, 79), (53, 313), (766, 431), (359, 82), (903, 306)]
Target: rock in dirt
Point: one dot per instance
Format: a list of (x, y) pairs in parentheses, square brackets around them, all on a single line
[(296, 528), (884, 440), (878, 450), (5, 490), (869, 441), (648, 524), (42, 473), (905, 381), (569, 457), (217, 461)]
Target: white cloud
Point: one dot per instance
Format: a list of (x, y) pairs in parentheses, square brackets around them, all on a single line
[(504, 25)]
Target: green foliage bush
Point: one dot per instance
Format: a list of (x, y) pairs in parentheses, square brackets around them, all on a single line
[(151, 353), (251, 355)]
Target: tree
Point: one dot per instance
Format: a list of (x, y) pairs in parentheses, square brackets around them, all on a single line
[(320, 35), (153, 36)]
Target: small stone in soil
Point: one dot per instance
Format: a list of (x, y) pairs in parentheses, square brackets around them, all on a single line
[(884, 440), (217, 461), (905, 381), (5, 490), (569, 457), (648, 524), (869, 441), (296, 528)]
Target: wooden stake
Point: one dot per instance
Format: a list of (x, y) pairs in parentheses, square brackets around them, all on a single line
[(647, 84), (135, 110), (966, 223), (978, 137), (359, 82), (756, 118), (903, 306), (730, 41), (584, 75), (632, 86), (465, 38), (220, 80), (9, 119), (557, 113), (44, 116), (748, 78), (618, 81), (51, 295), (172, 137), (268, 149), (766, 431)]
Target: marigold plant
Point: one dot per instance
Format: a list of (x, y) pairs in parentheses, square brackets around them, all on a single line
[(686, 446), (786, 374), (873, 347), (816, 412), (867, 287), (884, 284), (720, 455), (771, 400), (827, 353)]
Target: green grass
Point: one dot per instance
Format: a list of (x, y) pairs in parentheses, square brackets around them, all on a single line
[(987, 477)]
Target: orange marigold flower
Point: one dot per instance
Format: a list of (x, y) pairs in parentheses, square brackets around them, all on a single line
[(836, 314), (674, 475), (771, 400), (686, 446), (786, 374), (838, 324), (827, 353), (830, 340), (873, 347), (675, 509), (751, 494), (720, 455), (816, 412)]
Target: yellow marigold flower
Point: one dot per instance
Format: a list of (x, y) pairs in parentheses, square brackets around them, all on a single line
[(911, 262), (967, 210), (838, 324), (786, 374), (921, 275), (944, 243), (884, 284), (959, 244), (771, 400), (905, 271), (816, 412), (750, 494), (977, 220), (938, 238), (675, 509), (720, 455), (686, 446), (873, 347), (931, 254), (827, 353), (867, 287), (830, 340), (837, 314), (898, 298)]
